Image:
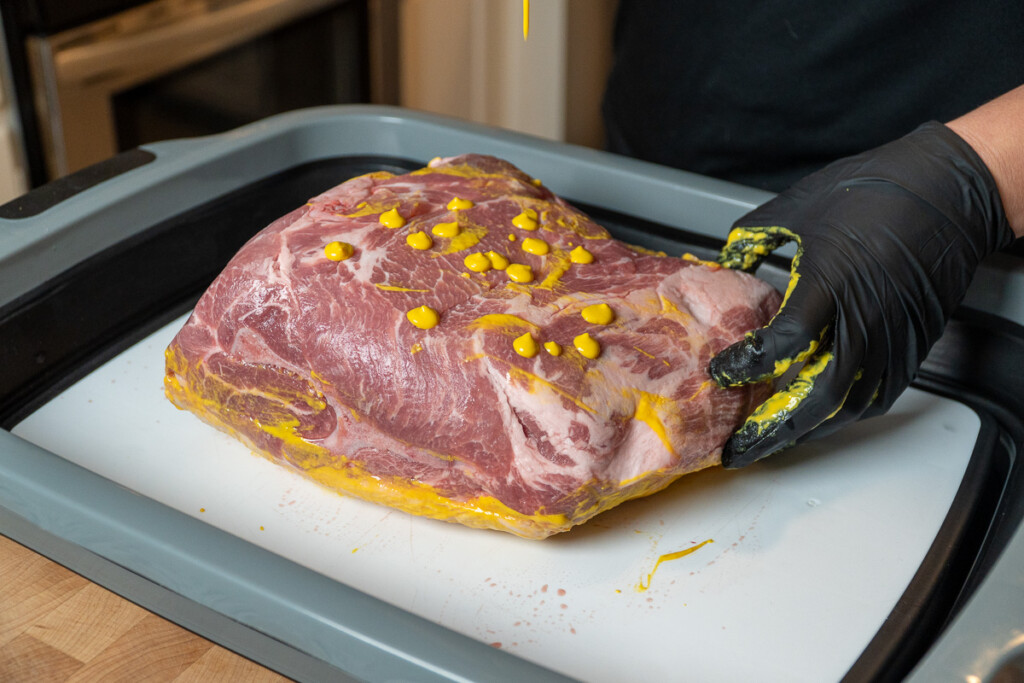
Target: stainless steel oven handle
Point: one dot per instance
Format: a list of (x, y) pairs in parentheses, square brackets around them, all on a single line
[(140, 52)]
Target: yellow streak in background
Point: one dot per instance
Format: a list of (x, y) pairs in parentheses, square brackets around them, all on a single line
[(526, 19), (641, 587)]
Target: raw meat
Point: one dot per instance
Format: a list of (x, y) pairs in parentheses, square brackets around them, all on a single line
[(314, 362)]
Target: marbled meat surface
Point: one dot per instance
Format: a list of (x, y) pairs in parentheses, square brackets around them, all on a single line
[(314, 362)]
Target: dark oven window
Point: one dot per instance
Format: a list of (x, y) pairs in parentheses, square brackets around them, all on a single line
[(313, 61)]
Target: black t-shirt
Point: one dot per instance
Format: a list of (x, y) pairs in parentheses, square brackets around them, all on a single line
[(764, 92)]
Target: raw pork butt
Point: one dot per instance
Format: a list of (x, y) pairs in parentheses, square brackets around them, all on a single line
[(527, 406)]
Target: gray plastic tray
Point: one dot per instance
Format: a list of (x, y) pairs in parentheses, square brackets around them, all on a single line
[(147, 551)]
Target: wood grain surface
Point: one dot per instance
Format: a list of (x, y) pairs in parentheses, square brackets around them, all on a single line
[(56, 626)]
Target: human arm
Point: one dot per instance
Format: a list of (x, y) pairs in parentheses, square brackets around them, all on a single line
[(887, 243), (996, 132)]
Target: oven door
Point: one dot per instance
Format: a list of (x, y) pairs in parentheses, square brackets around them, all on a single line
[(184, 68)]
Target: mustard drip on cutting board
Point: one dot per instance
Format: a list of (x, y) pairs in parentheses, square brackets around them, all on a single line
[(668, 557)]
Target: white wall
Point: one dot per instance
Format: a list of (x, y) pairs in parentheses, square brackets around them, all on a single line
[(467, 58)]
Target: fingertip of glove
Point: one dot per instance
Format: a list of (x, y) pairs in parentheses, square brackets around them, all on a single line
[(748, 445), (732, 366), (738, 451)]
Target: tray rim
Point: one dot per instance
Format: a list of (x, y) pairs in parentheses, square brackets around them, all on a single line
[(739, 199)]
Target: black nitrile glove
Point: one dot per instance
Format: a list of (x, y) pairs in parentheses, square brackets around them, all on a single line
[(888, 241)]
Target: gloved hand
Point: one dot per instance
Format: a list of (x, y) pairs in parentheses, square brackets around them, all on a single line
[(887, 243)]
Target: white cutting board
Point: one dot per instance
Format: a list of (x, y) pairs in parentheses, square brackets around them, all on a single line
[(810, 550)]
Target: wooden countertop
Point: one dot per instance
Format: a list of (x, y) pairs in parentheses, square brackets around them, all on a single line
[(56, 626)]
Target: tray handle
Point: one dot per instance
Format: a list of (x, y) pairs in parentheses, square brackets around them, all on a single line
[(44, 197)]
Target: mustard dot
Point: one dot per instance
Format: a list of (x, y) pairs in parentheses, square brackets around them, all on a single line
[(511, 237), (423, 317), (520, 272), (527, 220), (587, 346), (532, 245), (459, 204), (419, 240), (598, 314), (525, 345), (581, 255), (446, 229), (553, 348), (477, 262), (339, 251), (498, 261), (392, 219)]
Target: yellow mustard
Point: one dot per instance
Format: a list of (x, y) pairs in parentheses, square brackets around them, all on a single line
[(468, 237), (520, 272), (477, 262), (525, 345), (419, 240), (646, 411), (553, 348), (532, 245), (581, 256), (397, 288), (459, 204), (423, 317), (527, 220), (446, 229), (339, 251), (598, 314), (587, 345), (498, 261), (511, 237), (500, 321), (392, 219), (668, 557)]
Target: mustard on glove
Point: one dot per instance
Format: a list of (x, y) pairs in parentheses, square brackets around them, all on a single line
[(887, 244)]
